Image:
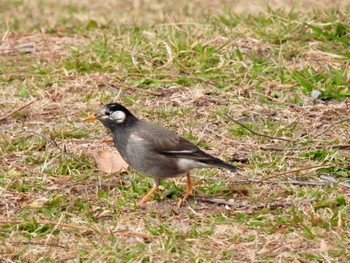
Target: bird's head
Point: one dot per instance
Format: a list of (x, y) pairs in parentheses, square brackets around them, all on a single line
[(112, 115)]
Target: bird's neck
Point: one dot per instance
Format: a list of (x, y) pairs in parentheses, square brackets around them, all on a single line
[(121, 134)]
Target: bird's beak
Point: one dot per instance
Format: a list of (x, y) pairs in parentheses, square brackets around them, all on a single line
[(90, 118)]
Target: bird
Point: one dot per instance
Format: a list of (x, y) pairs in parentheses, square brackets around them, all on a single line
[(153, 150)]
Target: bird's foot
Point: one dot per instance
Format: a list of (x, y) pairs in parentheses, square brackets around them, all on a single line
[(182, 200), (179, 204), (146, 197), (197, 183), (140, 203), (188, 192)]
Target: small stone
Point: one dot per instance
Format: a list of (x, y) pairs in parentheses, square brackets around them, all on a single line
[(316, 94)]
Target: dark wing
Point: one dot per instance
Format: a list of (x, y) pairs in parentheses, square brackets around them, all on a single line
[(161, 140), (165, 142)]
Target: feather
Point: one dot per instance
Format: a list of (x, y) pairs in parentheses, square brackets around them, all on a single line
[(168, 143)]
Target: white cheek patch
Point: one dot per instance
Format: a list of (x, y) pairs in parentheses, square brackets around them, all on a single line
[(118, 116)]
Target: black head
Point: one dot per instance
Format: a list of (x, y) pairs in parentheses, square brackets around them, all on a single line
[(113, 114)]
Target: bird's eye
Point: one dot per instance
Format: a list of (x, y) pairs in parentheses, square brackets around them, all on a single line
[(107, 113)]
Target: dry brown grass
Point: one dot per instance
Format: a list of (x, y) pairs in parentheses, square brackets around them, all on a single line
[(56, 208)]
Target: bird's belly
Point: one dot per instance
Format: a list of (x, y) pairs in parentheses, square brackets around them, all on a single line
[(155, 165), (185, 164)]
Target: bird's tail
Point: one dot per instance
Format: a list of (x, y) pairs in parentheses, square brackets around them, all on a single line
[(227, 166), (213, 161)]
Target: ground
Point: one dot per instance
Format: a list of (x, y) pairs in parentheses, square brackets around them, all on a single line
[(264, 85)]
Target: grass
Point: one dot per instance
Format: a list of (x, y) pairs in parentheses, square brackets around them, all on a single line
[(185, 67)]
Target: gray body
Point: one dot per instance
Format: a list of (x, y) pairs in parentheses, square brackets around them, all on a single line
[(147, 149), (151, 149)]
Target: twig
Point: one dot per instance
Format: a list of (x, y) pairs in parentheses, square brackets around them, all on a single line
[(18, 109), (269, 98), (132, 87), (46, 222), (45, 138), (241, 205), (53, 230), (19, 35), (9, 75), (90, 141), (303, 169), (206, 128), (295, 171), (298, 84), (335, 181), (337, 146), (37, 244), (256, 133), (296, 182), (331, 126), (63, 151), (81, 228), (170, 55), (132, 234), (277, 149)]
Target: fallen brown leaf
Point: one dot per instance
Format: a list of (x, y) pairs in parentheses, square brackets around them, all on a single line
[(110, 162)]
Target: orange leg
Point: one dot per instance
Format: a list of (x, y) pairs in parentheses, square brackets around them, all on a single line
[(188, 192), (145, 198)]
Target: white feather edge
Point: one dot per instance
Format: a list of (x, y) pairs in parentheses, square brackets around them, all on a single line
[(136, 138), (181, 151)]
